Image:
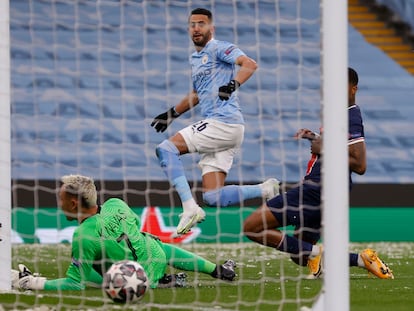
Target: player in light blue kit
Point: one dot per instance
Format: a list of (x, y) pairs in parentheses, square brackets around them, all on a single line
[(218, 137)]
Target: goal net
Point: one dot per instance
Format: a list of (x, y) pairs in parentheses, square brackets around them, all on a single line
[(88, 77)]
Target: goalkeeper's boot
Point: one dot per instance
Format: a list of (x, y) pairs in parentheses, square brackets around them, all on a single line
[(315, 263), (375, 265), (270, 188), (225, 271), (189, 218), (173, 280)]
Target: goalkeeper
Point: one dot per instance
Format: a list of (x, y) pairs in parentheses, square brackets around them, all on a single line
[(301, 205), (108, 234), (218, 137)]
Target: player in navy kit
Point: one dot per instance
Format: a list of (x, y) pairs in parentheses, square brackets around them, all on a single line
[(218, 137), (301, 205)]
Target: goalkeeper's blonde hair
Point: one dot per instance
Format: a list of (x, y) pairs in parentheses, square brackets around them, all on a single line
[(83, 187)]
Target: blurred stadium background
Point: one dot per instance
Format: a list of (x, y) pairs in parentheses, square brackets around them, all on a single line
[(88, 77)]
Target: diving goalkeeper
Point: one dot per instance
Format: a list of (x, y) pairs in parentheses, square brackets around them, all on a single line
[(110, 233)]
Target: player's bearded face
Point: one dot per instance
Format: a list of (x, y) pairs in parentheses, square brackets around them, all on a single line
[(200, 29), (201, 39)]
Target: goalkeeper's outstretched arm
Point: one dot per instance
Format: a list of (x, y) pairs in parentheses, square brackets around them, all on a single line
[(25, 279)]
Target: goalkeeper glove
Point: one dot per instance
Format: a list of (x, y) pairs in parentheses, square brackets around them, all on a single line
[(161, 122), (14, 277), (225, 91), (26, 279)]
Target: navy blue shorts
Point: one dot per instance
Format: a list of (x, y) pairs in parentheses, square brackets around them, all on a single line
[(299, 207)]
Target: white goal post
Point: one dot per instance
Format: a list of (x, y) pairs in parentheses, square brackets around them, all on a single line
[(334, 60), (5, 150)]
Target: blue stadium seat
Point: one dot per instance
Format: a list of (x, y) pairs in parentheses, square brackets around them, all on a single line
[(85, 88)]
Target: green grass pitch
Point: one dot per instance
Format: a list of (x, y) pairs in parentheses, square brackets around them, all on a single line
[(267, 280)]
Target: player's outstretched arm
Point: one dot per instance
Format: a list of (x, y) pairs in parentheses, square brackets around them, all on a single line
[(357, 158), (306, 134), (163, 120), (247, 67), (26, 280)]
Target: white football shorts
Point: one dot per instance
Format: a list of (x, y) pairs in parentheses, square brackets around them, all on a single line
[(215, 141)]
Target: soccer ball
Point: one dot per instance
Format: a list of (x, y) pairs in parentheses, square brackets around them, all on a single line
[(125, 281)]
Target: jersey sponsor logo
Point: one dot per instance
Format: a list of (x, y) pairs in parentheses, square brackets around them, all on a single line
[(202, 74)]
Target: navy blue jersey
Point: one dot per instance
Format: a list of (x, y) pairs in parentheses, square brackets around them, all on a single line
[(303, 201), (355, 135), (313, 170), (356, 126)]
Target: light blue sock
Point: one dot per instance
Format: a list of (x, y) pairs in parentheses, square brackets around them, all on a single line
[(231, 195), (169, 158)]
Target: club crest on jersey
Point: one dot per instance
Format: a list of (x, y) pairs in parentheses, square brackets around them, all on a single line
[(204, 60)]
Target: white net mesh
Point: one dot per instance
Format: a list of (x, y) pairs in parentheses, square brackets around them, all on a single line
[(88, 77)]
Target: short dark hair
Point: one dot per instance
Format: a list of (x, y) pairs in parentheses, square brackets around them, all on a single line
[(202, 11), (352, 76)]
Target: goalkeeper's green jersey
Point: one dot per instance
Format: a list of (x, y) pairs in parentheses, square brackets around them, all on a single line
[(110, 236)]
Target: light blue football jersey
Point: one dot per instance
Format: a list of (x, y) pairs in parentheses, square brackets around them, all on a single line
[(211, 68)]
